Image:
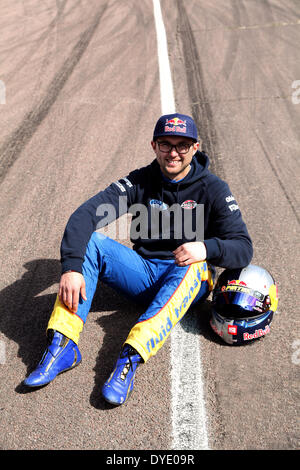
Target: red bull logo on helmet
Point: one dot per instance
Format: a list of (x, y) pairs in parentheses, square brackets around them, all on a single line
[(175, 125), (257, 333), (237, 283)]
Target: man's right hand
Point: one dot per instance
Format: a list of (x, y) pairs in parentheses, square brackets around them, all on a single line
[(71, 285)]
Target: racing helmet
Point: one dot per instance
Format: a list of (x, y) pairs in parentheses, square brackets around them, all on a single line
[(243, 304)]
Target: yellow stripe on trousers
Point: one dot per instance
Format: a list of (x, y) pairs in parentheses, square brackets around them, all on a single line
[(148, 336), (66, 322)]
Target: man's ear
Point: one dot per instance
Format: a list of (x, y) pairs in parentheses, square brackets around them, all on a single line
[(153, 145), (196, 147)]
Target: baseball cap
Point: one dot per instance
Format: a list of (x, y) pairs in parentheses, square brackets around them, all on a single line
[(175, 124)]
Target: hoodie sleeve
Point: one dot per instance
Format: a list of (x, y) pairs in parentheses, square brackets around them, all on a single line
[(228, 243), (97, 212)]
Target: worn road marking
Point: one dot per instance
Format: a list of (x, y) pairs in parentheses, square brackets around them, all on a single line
[(166, 84), (188, 410)]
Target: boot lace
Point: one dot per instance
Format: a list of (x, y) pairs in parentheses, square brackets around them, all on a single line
[(128, 352)]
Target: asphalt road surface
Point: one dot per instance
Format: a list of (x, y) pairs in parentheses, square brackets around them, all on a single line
[(79, 96)]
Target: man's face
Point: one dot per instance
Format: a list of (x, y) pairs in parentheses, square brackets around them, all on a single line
[(173, 162)]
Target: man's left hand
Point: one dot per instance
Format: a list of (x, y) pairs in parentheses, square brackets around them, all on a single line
[(189, 253)]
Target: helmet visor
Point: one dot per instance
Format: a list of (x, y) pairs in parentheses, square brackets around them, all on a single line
[(238, 305)]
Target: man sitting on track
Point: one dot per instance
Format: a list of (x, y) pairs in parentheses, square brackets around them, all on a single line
[(185, 221)]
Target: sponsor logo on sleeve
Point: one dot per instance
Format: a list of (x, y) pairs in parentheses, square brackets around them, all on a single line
[(120, 186), (231, 207), (129, 184)]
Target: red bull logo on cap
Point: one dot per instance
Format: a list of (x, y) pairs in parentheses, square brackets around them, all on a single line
[(175, 125)]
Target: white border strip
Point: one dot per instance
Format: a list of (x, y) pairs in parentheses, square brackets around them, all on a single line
[(189, 416), (188, 411), (166, 84)]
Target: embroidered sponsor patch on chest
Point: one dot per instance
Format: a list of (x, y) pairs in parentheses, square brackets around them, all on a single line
[(155, 203), (189, 204)]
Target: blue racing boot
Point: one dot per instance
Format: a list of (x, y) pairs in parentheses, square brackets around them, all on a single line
[(119, 386), (61, 354)]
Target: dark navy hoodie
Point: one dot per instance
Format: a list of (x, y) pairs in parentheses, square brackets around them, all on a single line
[(157, 230)]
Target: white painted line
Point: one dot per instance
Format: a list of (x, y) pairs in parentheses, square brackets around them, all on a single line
[(166, 83), (189, 416), (2, 352), (188, 411)]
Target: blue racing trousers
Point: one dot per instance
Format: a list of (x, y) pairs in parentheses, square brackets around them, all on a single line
[(164, 288)]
